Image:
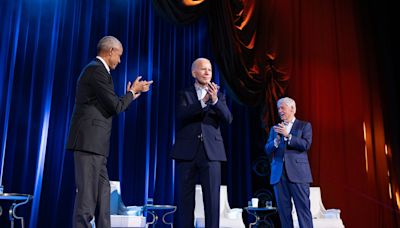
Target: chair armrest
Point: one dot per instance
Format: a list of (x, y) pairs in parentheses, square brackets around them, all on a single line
[(234, 213), (134, 210), (332, 213)]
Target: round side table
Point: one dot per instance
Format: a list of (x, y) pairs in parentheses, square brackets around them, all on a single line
[(19, 200), (153, 209), (261, 214)]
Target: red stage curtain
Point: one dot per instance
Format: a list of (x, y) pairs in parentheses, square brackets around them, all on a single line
[(319, 46)]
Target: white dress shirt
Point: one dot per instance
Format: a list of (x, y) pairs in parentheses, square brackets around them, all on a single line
[(201, 93), (288, 128), (104, 63)]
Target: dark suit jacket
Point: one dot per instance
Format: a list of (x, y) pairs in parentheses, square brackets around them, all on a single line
[(294, 156), (193, 120), (95, 104)]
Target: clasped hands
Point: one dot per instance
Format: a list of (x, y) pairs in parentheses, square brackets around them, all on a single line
[(212, 93), (281, 131), (138, 86)]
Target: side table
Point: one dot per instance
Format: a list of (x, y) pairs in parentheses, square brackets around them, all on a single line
[(261, 214), (19, 200), (155, 209)]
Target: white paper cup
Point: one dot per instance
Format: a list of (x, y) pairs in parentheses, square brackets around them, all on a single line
[(254, 202)]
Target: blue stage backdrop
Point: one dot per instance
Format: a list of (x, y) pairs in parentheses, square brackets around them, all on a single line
[(44, 46)]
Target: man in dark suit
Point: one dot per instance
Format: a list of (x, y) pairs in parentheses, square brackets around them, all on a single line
[(89, 136), (199, 147), (288, 144)]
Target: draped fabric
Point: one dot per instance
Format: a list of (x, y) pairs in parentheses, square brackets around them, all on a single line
[(255, 67), (44, 46), (329, 52), (333, 90), (338, 55)]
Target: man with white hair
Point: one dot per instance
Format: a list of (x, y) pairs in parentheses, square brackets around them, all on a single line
[(199, 148), (89, 136), (288, 144)]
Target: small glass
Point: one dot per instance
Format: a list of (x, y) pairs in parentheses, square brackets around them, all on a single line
[(149, 201), (249, 203), (268, 204)]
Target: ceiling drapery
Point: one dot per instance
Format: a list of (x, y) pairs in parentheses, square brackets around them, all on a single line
[(250, 53)]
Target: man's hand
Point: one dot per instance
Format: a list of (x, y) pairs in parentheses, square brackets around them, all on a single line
[(138, 86), (141, 86), (276, 140), (212, 91), (280, 129), (206, 98)]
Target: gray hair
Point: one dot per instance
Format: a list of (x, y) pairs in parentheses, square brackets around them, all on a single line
[(288, 101), (194, 64), (108, 42)]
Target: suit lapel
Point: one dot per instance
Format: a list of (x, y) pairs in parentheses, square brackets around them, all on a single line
[(103, 67), (192, 94), (295, 128)]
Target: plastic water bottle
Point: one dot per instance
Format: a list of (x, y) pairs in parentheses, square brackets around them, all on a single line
[(149, 201)]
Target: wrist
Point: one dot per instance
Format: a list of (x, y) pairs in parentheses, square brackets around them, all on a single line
[(214, 100)]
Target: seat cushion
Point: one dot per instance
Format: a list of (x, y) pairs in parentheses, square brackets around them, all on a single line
[(128, 221), (223, 223), (323, 223), (114, 202)]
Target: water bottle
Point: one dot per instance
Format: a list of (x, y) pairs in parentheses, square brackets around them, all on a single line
[(149, 201)]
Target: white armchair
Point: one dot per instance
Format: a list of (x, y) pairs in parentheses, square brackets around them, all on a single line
[(322, 218), (229, 217), (122, 216)]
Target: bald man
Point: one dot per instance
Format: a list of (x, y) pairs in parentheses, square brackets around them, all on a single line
[(199, 148), (89, 136)]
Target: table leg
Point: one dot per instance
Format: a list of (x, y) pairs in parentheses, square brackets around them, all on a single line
[(154, 220), (168, 213), (256, 220), (13, 214)]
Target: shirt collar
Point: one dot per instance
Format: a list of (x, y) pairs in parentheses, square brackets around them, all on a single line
[(290, 122), (104, 63), (198, 87)]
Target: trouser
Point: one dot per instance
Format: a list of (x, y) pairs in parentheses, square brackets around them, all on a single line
[(92, 191), (187, 173), (285, 190)]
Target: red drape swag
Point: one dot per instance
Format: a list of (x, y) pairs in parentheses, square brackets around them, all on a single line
[(260, 44), (253, 65)]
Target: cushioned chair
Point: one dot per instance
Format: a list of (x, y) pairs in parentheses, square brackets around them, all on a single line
[(231, 218), (122, 216), (322, 218)]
